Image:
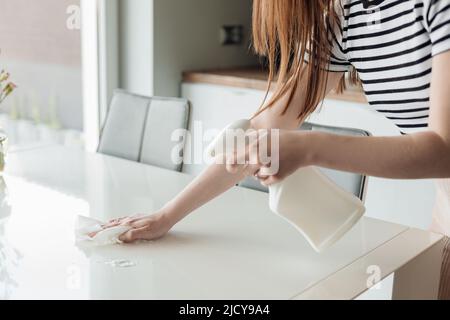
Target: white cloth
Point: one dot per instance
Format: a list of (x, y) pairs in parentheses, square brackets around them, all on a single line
[(86, 226)]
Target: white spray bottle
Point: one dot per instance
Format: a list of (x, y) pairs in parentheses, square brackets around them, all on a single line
[(319, 209)]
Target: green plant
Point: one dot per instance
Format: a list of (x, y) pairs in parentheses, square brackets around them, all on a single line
[(6, 86)]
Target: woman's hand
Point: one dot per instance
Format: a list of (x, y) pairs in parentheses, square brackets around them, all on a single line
[(145, 227), (286, 150)]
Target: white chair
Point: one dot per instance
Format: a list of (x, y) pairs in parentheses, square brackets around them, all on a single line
[(140, 128)]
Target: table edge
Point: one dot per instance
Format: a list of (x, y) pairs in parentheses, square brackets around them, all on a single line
[(355, 275)]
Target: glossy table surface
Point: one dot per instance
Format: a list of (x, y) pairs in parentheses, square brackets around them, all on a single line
[(232, 248)]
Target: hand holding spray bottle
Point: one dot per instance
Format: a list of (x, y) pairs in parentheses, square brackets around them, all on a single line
[(319, 209)]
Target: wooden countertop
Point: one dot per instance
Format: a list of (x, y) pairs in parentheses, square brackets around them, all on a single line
[(256, 78)]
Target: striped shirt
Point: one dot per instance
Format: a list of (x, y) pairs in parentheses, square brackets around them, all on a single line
[(391, 44)]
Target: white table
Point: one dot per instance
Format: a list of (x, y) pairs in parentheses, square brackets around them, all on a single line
[(232, 248)]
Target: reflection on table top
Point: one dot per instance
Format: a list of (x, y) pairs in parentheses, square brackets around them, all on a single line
[(232, 248)]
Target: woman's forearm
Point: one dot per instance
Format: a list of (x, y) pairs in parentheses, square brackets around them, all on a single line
[(212, 182), (215, 180), (417, 156)]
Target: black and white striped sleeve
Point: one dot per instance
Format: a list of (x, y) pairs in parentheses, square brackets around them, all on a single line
[(437, 20), (337, 62), (338, 59)]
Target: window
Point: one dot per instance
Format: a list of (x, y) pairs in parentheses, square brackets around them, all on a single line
[(40, 44)]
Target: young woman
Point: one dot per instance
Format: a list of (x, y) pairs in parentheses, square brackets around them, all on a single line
[(400, 51)]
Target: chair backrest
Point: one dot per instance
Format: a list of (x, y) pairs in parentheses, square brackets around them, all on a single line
[(140, 129), (351, 182)]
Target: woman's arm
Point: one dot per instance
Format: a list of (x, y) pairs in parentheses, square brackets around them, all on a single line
[(418, 156), (215, 179), (415, 156)]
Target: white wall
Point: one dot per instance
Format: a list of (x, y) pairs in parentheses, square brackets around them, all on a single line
[(108, 39), (187, 37), (136, 45), (159, 39)]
